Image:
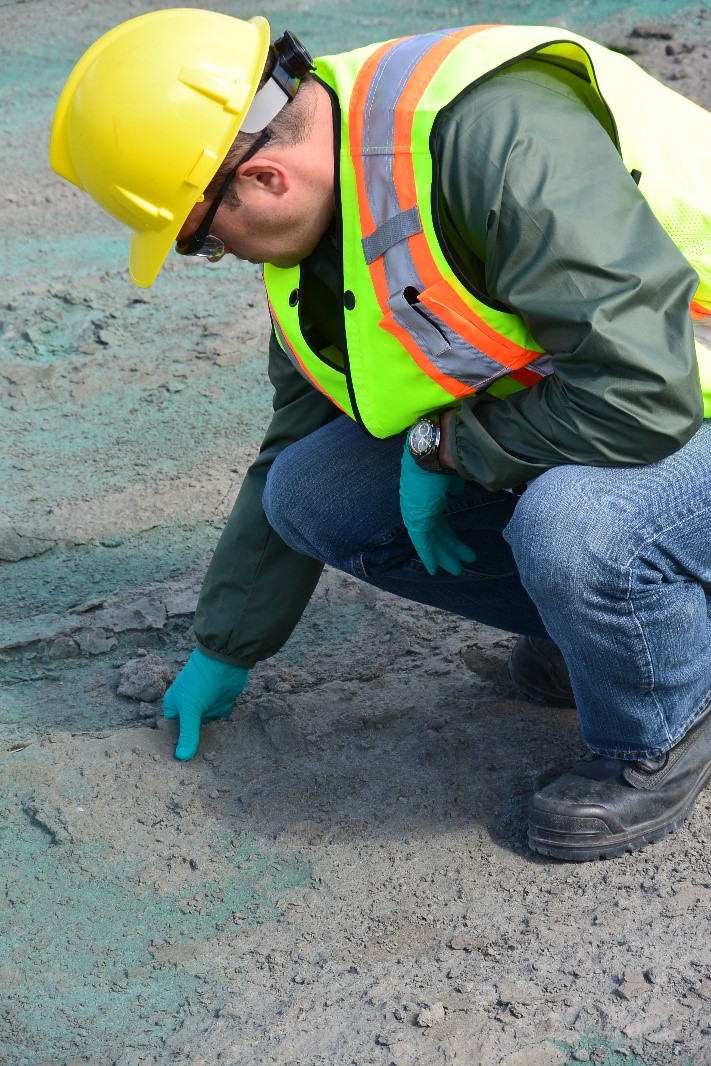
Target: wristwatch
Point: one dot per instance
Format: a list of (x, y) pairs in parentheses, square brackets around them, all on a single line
[(423, 444)]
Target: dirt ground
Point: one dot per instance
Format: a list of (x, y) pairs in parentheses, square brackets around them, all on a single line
[(341, 876)]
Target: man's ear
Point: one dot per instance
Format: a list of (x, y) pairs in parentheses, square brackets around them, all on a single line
[(267, 176)]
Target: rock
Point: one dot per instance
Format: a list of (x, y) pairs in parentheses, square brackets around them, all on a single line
[(95, 641), (181, 602), (14, 546), (703, 989), (632, 985), (63, 648), (432, 1014), (144, 679), (461, 943), (623, 45), (654, 31)]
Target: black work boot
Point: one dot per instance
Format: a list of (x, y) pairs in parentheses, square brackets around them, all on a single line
[(538, 669), (605, 807)]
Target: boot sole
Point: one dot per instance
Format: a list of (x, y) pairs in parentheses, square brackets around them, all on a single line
[(574, 852), (572, 849)]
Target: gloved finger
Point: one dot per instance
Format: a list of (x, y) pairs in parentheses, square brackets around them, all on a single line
[(422, 544), (189, 736), (454, 543), (171, 703), (446, 559)]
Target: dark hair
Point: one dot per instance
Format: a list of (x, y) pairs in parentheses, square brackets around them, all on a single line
[(291, 126)]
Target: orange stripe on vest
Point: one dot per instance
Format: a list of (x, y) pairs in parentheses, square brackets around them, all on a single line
[(441, 298)]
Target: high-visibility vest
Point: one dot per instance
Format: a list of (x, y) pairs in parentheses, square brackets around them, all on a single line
[(416, 339)]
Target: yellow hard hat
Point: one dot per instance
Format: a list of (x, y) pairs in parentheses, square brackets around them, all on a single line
[(149, 113)]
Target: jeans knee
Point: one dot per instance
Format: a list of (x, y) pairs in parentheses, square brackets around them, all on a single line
[(569, 546), (303, 507), (283, 502)]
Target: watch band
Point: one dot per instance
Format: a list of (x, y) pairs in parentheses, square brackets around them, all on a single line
[(423, 444)]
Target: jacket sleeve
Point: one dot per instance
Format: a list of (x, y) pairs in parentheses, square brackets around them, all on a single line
[(256, 587), (543, 214)]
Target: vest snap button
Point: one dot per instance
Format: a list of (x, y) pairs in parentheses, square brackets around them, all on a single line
[(349, 300), (293, 297)]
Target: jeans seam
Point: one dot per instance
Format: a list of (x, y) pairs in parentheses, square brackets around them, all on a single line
[(357, 568), (661, 717), (457, 505), (662, 722)]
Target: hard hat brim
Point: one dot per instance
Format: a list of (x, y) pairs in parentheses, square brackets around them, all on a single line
[(113, 162)]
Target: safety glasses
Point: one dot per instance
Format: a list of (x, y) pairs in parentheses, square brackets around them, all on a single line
[(203, 243)]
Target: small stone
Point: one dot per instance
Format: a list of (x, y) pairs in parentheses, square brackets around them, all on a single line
[(95, 641), (144, 679), (63, 648), (461, 943), (664, 1037), (632, 986), (654, 31), (108, 336), (580, 1055), (703, 989), (432, 1014)]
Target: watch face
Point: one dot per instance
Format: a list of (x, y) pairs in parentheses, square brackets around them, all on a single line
[(423, 438)]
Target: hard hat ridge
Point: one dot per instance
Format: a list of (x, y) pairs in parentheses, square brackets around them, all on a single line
[(149, 113)]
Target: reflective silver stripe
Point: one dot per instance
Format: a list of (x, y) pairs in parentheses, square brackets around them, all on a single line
[(542, 365), (395, 229), (429, 338), (445, 349), (387, 84)]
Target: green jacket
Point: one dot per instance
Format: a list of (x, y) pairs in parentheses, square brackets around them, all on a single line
[(539, 214)]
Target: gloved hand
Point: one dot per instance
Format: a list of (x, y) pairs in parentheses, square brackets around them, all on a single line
[(423, 501), (203, 691)]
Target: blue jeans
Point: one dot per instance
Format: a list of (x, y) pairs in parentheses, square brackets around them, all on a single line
[(612, 563)]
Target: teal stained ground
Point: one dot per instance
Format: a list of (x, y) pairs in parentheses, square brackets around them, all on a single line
[(96, 935)]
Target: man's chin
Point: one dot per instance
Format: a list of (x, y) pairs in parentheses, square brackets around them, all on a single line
[(285, 262)]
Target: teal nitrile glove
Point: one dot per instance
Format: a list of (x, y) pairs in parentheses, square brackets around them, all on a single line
[(423, 501), (203, 691)]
